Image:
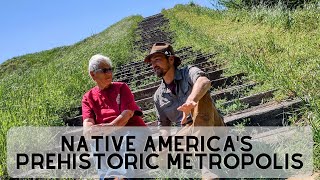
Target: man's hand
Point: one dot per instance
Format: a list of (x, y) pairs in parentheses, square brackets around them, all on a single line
[(186, 109)]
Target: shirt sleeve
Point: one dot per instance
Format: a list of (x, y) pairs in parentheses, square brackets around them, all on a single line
[(127, 99), (87, 111), (194, 73)]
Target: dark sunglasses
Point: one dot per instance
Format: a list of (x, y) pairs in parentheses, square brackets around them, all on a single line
[(104, 70)]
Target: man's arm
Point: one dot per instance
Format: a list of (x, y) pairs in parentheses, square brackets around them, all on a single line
[(123, 118), (200, 88), (88, 119), (88, 125), (92, 129)]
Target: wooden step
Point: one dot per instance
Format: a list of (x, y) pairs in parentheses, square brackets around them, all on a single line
[(136, 80), (144, 68), (74, 121), (252, 100), (269, 114), (228, 81), (147, 103), (232, 92), (144, 93)]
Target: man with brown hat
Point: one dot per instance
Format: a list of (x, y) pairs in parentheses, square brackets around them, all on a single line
[(185, 90), (183, 96)]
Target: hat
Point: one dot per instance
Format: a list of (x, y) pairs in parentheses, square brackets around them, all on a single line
[(164, 48)]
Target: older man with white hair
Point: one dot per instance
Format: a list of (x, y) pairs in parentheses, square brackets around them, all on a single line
[(108, 104)]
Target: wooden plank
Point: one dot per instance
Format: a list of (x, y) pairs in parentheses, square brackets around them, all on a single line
[(269, 114)]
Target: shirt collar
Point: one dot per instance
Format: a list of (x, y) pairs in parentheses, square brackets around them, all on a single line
[(177, 76)]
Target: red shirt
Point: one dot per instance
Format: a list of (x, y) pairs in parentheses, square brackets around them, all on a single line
[(106, 105)]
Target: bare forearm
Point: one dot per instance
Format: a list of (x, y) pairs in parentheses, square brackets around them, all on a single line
[(88, 125), (123, 118), (200, 88), (92, 129)]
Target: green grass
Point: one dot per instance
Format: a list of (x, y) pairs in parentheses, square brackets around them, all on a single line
[(36, 88), (277, 48)]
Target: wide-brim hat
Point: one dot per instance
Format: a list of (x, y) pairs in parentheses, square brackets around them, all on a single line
[(164, 48)]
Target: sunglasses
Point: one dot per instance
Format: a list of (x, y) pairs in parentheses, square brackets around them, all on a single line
[(104, 70)]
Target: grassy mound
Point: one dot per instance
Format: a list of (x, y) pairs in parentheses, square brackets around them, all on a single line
[(36, 88), (277, 48)]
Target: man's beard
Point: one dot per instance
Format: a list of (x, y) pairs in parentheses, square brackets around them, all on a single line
[(159, 72)]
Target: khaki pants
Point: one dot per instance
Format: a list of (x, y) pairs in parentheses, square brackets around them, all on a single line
[(206, 114)]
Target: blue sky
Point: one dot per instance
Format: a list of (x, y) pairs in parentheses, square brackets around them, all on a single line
[(34, 25)]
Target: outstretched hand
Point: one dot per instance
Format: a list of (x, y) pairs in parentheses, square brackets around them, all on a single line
[(186, 109)]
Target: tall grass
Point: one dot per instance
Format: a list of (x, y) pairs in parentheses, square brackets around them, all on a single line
[(276, 47), (36, 88)]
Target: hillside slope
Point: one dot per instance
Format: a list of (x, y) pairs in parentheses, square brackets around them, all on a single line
[(278, 49), (36, 89)]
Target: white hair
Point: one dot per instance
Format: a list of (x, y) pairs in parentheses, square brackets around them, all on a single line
[(96, 60)]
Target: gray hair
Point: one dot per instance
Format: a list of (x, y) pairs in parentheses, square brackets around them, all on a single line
[(95, 61)]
